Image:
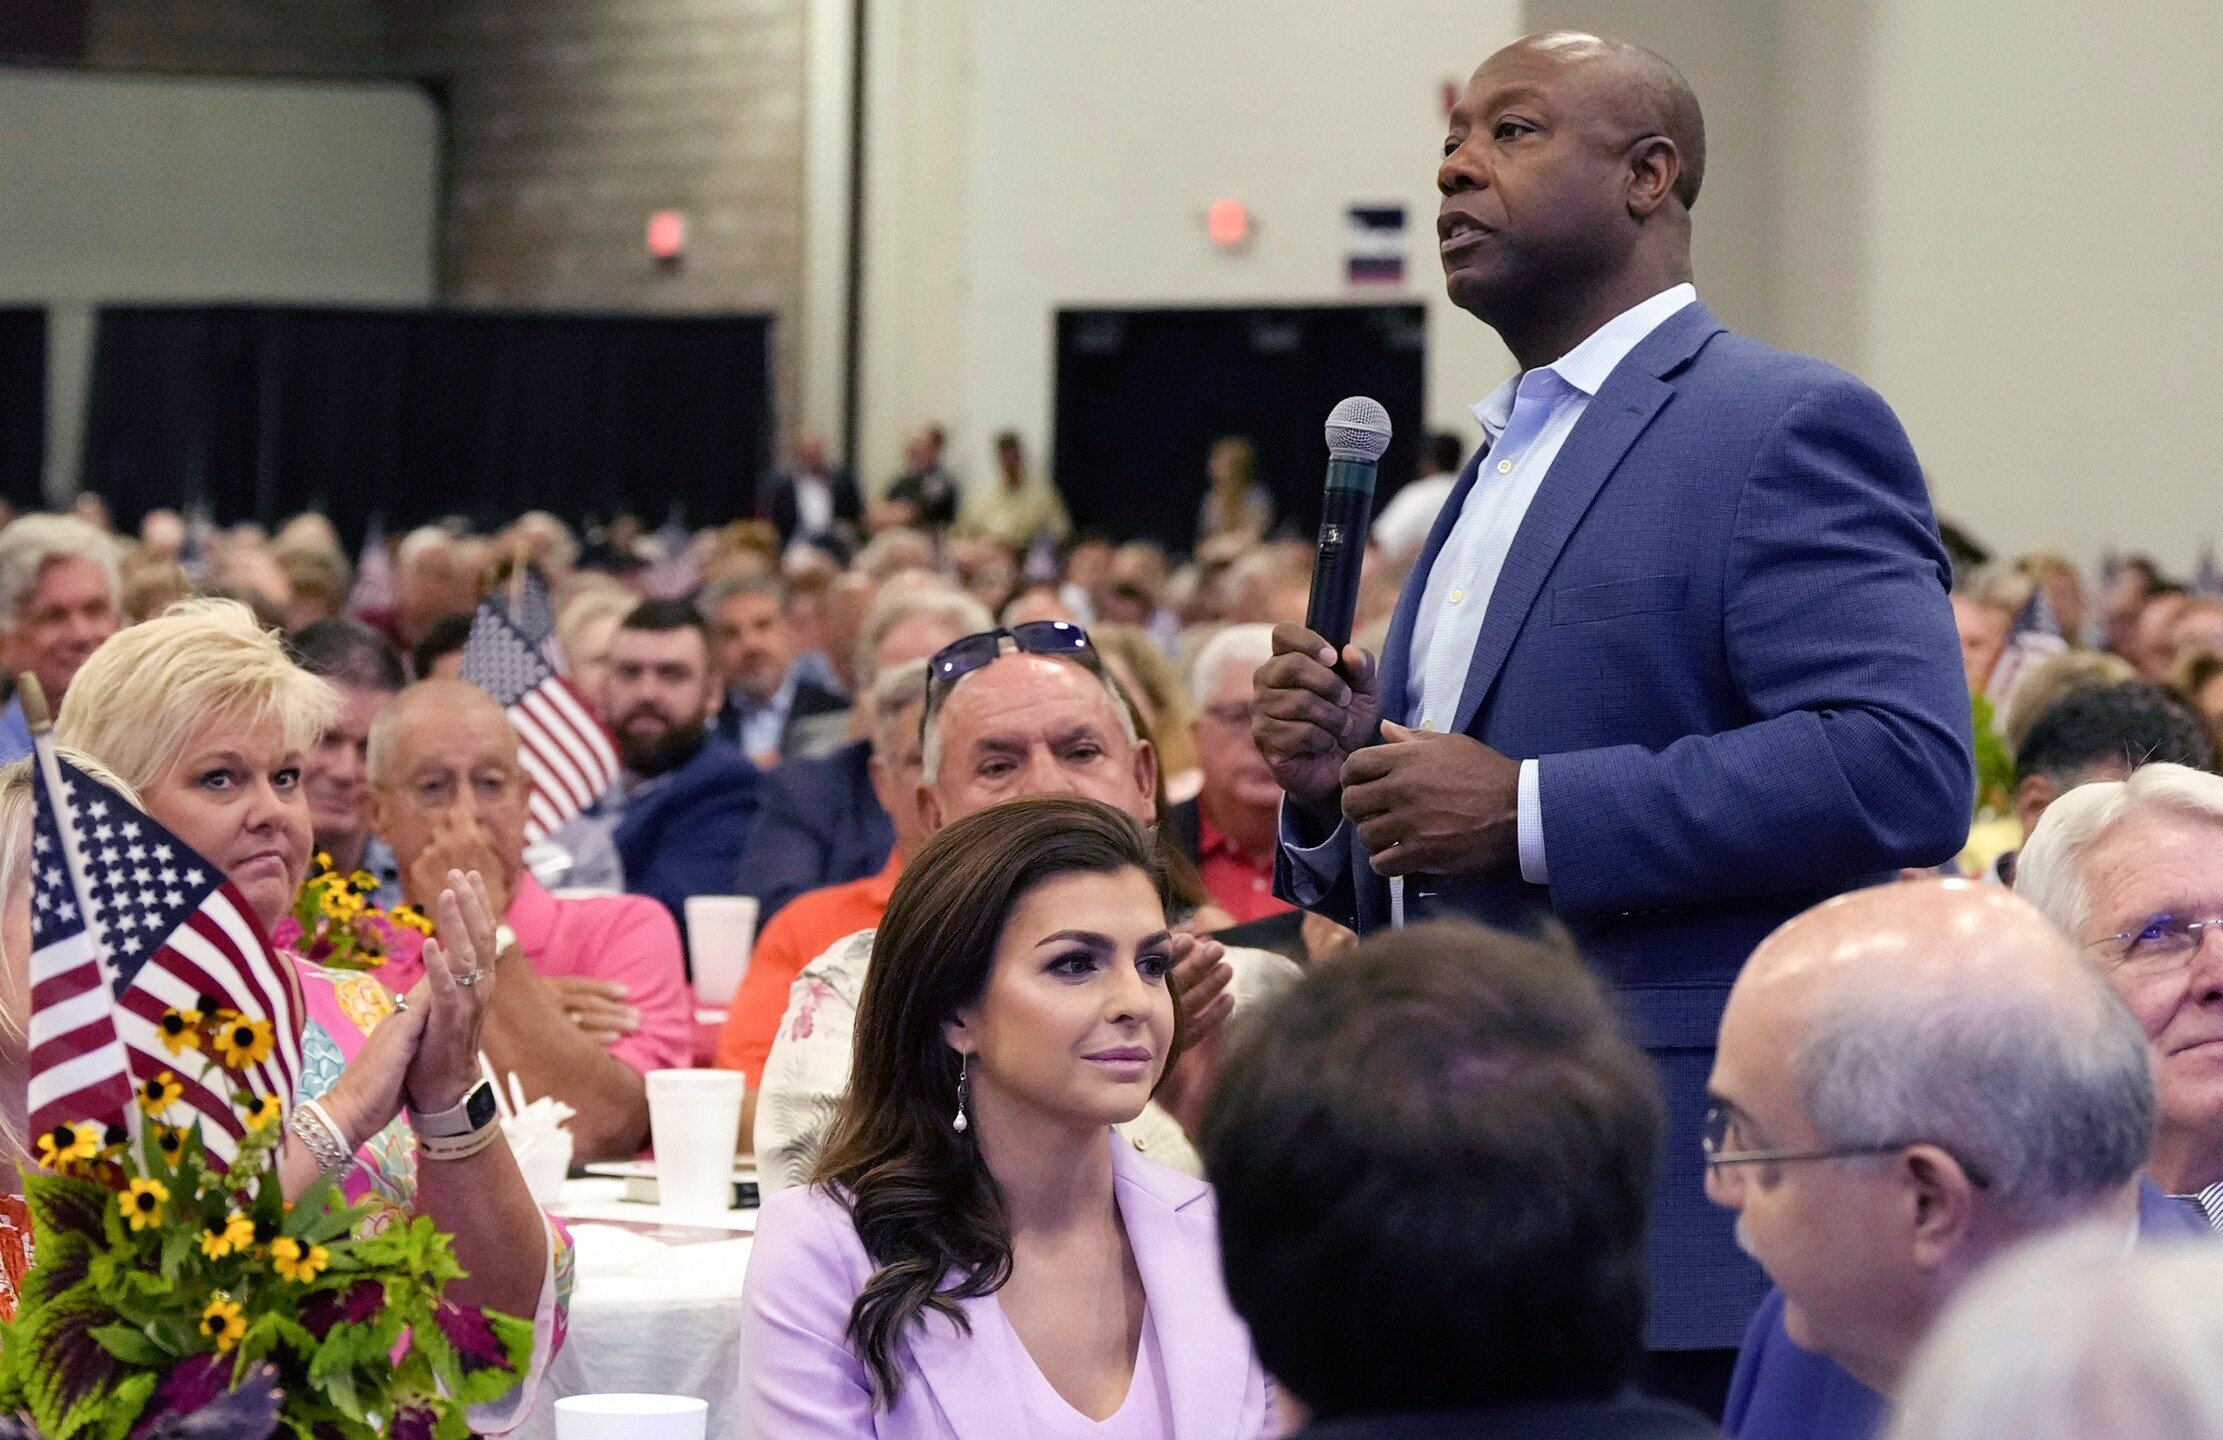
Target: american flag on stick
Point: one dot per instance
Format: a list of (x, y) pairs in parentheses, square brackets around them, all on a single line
[(565, 750), (129, 926), (2034, 638)]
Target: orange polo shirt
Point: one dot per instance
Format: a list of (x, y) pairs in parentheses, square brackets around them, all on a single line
[(803, 930)]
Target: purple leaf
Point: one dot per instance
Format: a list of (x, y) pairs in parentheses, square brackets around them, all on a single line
[(472, 1336), (191, 1383), (359, 1302), (64, 1204), (413, 1422), (67, 1366), (247, 1413)]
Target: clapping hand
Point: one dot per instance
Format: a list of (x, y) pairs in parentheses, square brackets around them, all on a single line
[(458, 993), (1201, 976)]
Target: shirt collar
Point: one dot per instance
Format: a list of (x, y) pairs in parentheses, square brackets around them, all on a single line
[(1585, 368), (783, 699), (881, 886)]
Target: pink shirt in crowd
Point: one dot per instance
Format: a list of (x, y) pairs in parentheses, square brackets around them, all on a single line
[(629, 939)]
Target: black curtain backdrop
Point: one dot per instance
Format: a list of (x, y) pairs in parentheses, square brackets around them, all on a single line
[(1142, 394), (22, 405), (261, 412)]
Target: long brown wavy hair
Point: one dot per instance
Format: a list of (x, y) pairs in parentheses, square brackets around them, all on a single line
[(926, 1209)]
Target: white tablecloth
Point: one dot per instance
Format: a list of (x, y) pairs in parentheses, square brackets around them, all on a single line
[(645, 1316)]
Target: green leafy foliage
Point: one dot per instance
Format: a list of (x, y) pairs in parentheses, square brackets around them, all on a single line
[(336, 1310)]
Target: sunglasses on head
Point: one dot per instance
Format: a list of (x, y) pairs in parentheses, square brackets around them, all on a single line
[(959, 658)]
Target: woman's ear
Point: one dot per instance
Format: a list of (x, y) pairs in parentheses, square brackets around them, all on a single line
[(959, 1034)]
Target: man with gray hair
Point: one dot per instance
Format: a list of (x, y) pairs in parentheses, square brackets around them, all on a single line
[(2132, 870), (753, 650), (60, 598), (1232, 829), (1910, 1080)]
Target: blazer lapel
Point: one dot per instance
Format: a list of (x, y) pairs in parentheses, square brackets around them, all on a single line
[(1393, 675), (1616, 416), (1206, 1349), (970, 1374)]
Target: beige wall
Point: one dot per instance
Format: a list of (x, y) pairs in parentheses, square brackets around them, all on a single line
[(1731, 52), (1046, 155), (2043, 292)]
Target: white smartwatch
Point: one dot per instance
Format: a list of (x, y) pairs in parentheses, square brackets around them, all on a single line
[(461, 1130)]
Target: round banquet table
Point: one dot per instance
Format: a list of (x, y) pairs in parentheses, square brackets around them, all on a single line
[(654, 1310)]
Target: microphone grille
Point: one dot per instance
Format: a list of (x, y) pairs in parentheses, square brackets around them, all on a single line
[(1358, 429)]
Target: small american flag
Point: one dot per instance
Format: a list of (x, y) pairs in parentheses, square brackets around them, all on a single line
[(375, 589), (565, 750), (128, 923), (533, 613), (2034, 639)]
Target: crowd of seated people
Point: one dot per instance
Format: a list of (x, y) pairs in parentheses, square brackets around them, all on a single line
[(991, 784)]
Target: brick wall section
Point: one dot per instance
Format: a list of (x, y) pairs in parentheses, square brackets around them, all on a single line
[(569, 121)]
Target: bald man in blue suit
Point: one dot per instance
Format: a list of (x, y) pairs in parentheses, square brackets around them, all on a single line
[(1676, 660)]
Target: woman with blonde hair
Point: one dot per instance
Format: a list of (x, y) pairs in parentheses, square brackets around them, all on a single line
[(203, 714)]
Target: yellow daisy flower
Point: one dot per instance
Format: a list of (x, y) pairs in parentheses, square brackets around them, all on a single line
[(67, 1145), (170, 1139), (181, 1030), (143, 1202), (160, 1093), (238, 1233), (241, 1042), (262, 1112), (323, 861), (295, 1262), (412, 918), (364, 881), (223, 1322)]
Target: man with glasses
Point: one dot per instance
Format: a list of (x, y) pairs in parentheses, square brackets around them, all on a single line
[(1910, 1080), (590, 993), (2133, 870), (1010, 713)]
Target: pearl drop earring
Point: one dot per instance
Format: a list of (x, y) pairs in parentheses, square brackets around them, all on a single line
[(960, 1123)]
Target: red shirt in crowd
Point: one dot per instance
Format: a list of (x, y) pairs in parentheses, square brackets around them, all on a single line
[(1242, 884)]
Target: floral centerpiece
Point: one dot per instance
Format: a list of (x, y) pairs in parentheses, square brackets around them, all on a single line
[(163, 1284), (334, 924)]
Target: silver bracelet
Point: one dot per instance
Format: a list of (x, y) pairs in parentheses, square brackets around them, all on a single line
[(312, 1126)]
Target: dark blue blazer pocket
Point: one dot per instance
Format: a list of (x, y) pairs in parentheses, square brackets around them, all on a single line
[(1649, 594)]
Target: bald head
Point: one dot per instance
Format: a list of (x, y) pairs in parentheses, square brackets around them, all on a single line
[(1570, 164), (433, 705), (1635, 88), (1955, 1013), (1937, 935)]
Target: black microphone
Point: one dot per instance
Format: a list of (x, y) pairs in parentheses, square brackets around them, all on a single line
[(1358, 433)]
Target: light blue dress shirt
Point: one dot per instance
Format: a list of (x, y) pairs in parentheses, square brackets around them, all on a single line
[(1526, 421)]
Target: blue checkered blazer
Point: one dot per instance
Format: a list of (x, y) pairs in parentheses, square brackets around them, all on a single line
[(1723, 627)]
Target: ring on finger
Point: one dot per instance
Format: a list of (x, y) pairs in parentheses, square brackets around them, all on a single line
[(469, 977)]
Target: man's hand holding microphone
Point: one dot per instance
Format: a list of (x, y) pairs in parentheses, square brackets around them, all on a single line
[(1420, 802)]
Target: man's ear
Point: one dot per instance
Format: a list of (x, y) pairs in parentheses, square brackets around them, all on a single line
[(1941, 1205), (930, 808), (1146, 776), (2032, 795), (1654, 167)]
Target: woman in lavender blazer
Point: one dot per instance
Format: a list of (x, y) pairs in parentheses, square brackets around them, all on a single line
[(978, 1256)]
